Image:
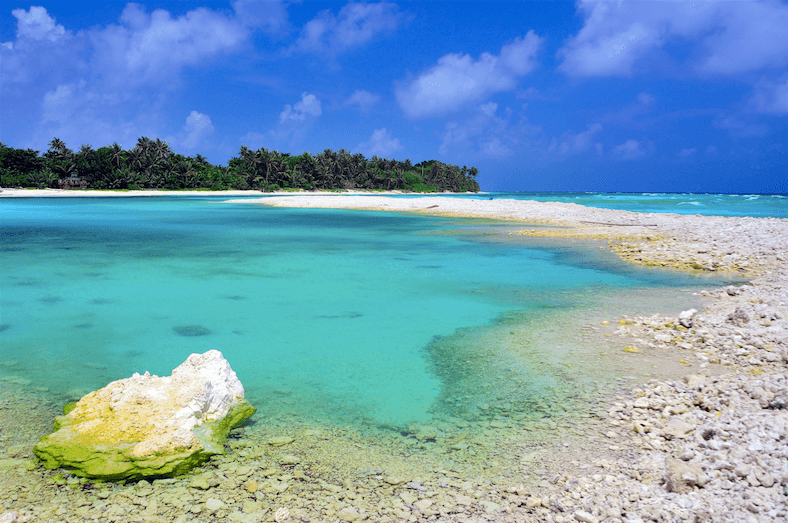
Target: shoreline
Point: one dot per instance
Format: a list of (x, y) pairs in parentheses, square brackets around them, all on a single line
[(89, 193), (704, 445), (687, 242)]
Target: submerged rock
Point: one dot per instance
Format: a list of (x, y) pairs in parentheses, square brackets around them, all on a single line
[(149, 425), (191, 330)]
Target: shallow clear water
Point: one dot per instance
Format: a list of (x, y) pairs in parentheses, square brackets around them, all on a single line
[(347, 317), (757, 205)]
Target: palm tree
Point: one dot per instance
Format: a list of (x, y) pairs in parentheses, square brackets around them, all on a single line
[(116, 152), (144, 144), (185, 171), (42, 179), (161, 148), (136, 156), (57, 145)]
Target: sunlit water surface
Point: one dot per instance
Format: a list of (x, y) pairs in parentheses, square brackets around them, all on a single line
[(363, 319)]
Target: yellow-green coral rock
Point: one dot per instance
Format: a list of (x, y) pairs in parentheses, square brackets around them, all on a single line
[(148, 425)]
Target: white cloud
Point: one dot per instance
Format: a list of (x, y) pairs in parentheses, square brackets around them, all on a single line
[(459, 79), (142, 48), (632, 149), (380, 144), (748, 36), (307, 109), (197, 129), (355, 25), (621, 38), (771, 97), (155, 47), (42, 50), (364, 100), (575, 143), (36, 24), (119, 76)]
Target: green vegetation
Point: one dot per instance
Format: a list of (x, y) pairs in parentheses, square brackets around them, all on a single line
[(152, 165)]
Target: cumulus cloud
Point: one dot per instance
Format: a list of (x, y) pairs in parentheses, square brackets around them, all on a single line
[(307, 109), (380, 144), (155, 47), (114, 80), (36, 24), (363, 100), (458, 79), (747, 36), (620, 38), (355, 25), (197, 129), (142, 48), (43, 49)]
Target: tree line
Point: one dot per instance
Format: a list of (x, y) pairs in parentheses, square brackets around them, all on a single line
[(151, 164)]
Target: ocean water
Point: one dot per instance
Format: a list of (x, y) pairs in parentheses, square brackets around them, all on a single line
[(362, 319), (756, 205)]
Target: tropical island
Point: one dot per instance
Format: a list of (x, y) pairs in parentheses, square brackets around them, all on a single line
[(151, 164)]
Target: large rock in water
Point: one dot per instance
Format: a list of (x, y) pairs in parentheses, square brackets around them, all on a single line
[(147, 425)]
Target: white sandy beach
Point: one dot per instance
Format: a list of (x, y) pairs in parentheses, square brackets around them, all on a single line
[(705, 445), (73, 193)]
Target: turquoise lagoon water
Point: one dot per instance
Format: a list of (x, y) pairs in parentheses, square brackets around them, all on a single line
[(756, 205), (341, 317)]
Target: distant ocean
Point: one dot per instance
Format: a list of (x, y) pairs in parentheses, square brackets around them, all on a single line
[(757, 205)]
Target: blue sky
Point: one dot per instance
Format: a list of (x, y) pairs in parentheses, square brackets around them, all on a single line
[(544, 95)]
